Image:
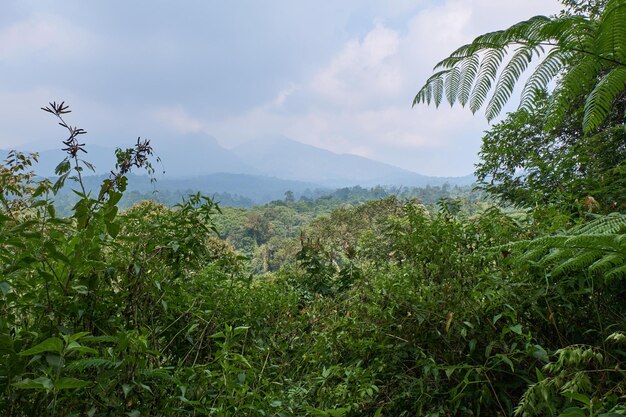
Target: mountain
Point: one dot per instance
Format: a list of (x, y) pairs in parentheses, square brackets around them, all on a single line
[(260, 169), (285, 158), (182, 156), (195, 155)]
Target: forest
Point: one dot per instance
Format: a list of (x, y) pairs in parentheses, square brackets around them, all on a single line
[(504, 300)]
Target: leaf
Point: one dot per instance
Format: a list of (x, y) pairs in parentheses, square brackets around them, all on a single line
[(240, 329), (516, 329), (506, 360), (578, 397), (77, 347), (539, 374), (53, 344), (538, 352), (5, 287), (82, 364), (77, 336), (113, 229), (41, 383), (573, 412), (70, 383)]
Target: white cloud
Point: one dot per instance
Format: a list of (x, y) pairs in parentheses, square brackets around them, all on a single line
[(41, 34), (369, 61), (177, 119), (283, 94)]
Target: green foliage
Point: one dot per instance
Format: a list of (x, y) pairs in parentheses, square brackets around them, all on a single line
[(389, 307), (586, 53), (524, 164)]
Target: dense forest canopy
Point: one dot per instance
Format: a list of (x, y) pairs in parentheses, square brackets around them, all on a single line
[(345, 305)]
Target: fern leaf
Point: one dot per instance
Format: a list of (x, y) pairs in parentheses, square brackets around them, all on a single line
[(581, 260), (600, 101), (611, 223), (545, 72), (583, 48), (434, 85), (468, 74), (617, 272), (598, 247), (438, 91), (486, 75), (572, 85), (592, 242), (606, 262), (506, 83), (611, 39), (452, 81)]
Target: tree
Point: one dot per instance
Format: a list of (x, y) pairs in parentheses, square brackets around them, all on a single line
[(584, 53), (523, 164)]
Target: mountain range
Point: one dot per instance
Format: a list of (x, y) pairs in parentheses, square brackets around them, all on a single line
[(274, 164)]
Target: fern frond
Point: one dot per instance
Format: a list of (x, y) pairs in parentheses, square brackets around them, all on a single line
[(601, 242), (545, 72), (432, 90), (486, 75), (572, 85), (581, 260), (534, 250), (570, 33), (583, 48), (608, 224), (509, 77), (611, 39), (617, 272), (469, 69), (601, 99), (453, 78), (556, 255), (598, 247), (438, 91), (528, 32), (608, 262)]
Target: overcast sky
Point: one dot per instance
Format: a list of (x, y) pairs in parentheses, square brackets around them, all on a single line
[(340, 75)]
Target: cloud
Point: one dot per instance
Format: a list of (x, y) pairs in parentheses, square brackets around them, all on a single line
[(368, 61), (41, 34), (340, 75), (283, 94), (176, 119), (359, 100)]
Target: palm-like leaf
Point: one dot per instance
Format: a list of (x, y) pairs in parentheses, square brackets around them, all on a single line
[(589, 55)]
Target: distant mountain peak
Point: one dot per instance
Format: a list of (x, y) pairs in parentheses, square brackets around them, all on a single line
[(198, 154)]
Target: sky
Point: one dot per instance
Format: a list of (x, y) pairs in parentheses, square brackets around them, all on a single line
[(340, 75)]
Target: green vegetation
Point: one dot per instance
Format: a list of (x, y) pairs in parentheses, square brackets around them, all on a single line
[(342, 305)]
